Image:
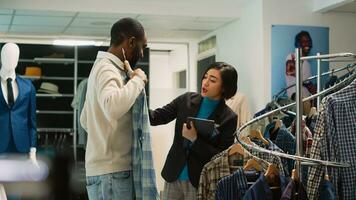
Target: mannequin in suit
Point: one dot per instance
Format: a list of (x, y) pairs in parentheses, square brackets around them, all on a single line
[(17, 107)]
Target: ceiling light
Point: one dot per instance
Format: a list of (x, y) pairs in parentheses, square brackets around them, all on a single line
[(100, 23), (78, 42)]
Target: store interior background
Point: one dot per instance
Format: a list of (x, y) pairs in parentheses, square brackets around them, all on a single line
[(175, 29)]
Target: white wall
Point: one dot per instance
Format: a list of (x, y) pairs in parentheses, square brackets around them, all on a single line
[(290, 12), (163, 68), (246, 43), (239, 43)]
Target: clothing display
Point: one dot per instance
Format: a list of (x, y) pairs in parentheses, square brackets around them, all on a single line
[(78, 104), (17, 115), (262, 191), (215, 170), (283, 139), (219, 167), (144, 177), (294, 191), (232, 187), (49, 88), (334, 140)]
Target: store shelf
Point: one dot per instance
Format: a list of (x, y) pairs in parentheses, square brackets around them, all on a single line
[(54, 60), (54, 95), (52, 78), (53, 112), (49, 60), (55, 130), (92, 62)]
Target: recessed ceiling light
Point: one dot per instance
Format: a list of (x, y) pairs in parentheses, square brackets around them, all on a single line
[(100, 23), (77, 42)]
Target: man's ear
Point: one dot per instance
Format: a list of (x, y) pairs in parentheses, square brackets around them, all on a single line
[(132, 42)]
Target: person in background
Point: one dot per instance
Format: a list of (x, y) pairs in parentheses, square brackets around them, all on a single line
[(190, 151), (106, 115), (239, 104)]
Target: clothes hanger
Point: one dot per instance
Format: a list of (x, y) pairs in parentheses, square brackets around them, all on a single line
[(295, 176), (258, 135), (236, 148), (277, 125), (312, 112), (272, 176), (253, 164)]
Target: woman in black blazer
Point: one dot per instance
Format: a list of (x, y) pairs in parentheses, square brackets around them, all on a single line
[(190, 151)]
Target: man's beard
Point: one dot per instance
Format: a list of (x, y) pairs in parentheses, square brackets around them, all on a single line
[(135, 57)]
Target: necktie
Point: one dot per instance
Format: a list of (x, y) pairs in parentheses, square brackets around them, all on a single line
[(10, 93)]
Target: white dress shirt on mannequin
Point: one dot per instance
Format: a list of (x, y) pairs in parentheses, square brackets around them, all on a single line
[(15, 88)]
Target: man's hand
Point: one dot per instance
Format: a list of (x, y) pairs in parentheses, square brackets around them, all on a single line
[(190, 134), (138, 72)]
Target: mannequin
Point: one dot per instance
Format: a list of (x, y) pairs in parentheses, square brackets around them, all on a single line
[(17, 107)]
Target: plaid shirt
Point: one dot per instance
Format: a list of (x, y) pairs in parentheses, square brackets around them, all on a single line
[(232, 187), (282, 163), (213, 171), (142, 161), (336, 141), (219, 168)]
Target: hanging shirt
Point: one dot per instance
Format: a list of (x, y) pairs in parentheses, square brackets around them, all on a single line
[(207, 107), (232, 187), (294, 191), (144, 176), (213, 171), (284, 140), (335, 140), (261, 190)]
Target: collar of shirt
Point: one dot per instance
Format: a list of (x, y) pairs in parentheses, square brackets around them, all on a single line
[(268, 192), (113, 58), (5, 75)]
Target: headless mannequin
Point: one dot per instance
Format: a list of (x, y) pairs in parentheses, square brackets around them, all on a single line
[(9, 59)]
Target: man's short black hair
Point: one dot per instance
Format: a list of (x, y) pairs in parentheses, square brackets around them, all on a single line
[(228, 77), (299, 36), (124, 28)]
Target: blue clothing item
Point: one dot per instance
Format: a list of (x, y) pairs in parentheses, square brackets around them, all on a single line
[(78, 104), (144, 176), (117, 185), (261, 190), (327, 191), (19, 121), (294, 191), (273, 147), (207, 107), (284, 140), (232, 187)]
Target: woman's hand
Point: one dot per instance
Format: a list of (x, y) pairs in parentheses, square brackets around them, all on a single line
[(190, 134)]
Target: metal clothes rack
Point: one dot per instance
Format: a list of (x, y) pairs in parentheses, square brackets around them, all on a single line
[(299, 103), (349, 67)]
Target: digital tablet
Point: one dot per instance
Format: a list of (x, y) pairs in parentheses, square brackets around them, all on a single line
[(204, 127)]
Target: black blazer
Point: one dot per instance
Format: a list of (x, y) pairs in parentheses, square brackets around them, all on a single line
[(202, 150)]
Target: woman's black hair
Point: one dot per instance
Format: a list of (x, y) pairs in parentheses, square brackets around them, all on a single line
[(228, 77)]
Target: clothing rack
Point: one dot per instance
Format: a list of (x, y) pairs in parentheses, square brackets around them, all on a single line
[(349, 67), (299, 102), (313, 77)]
